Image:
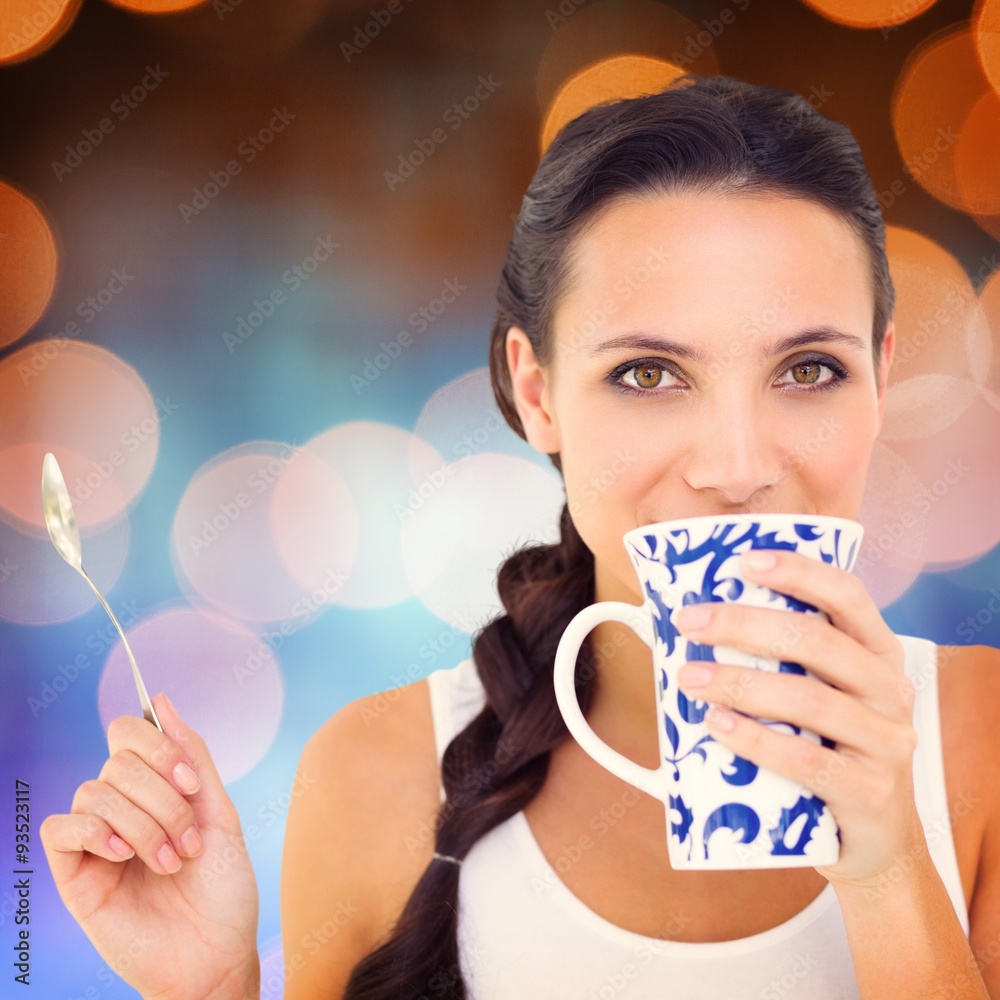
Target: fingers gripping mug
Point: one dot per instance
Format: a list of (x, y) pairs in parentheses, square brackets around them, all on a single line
[(722, 811)]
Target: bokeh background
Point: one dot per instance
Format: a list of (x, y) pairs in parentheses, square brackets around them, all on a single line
[(248, 256)]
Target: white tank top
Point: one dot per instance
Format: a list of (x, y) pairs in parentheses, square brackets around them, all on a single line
[(523, 935)]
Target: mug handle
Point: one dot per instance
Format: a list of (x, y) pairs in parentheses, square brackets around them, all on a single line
[(648, 779)]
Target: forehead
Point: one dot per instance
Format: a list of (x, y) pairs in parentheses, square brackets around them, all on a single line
[(711, 265)]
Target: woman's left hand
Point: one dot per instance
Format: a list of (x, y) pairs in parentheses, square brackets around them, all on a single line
[(866, 778)]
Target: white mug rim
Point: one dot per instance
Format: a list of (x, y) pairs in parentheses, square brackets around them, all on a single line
[(827, 522)]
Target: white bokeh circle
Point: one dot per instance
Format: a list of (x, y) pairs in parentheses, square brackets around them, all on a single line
[(389, 472), (453, 545), (462, 419)]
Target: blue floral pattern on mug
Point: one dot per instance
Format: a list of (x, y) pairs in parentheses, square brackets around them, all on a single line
[(679, 563)]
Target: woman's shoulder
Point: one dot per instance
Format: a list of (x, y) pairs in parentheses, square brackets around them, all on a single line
[(385, 747), (380, 750), (969, 697), (969, 700), (361, 833), (969, 694)]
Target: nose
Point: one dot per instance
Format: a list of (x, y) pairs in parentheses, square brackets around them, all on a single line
[(732, 451)]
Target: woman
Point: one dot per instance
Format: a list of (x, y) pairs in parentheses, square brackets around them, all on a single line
[(696, 293)]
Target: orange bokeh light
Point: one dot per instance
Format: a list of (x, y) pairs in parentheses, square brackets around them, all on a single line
[(977, 157), (987, 33), (617, 78), (953, 456), (870, 13), (594, 33), (93, 412), (937, 89), (157, 6), (28, 264), (29, 27), (941, 337)]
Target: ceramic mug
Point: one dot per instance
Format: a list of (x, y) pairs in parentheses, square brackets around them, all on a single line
[(722, 811)]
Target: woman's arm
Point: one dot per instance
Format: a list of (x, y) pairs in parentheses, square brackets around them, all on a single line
[(906, 940), (359, 836), (904, 935), (984, 912)]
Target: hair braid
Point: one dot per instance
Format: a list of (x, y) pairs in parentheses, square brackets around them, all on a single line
[(495, 766)]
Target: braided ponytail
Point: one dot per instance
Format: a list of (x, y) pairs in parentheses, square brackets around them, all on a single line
[(700, 133), (496, 765)]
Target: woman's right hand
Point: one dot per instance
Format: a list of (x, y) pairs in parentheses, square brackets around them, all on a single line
[(175, 918)]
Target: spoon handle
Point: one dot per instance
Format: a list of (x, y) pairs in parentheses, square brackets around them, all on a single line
[(147, 706)]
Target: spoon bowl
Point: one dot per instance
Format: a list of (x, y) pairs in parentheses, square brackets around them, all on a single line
[(57, 509)]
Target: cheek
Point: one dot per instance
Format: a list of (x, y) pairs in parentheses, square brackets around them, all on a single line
[(831, 454), (618, 465), (606, 483)]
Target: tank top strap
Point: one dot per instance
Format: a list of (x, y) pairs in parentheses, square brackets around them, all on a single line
[(457, 697)]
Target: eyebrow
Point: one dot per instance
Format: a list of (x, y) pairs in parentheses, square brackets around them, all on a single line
[(643, 341)]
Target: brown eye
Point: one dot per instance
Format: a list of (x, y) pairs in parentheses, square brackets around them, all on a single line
[(806, 372), (647, 376), (640, 378), (809, 373)]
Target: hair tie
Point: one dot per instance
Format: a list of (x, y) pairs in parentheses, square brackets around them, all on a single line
[(446, 857)]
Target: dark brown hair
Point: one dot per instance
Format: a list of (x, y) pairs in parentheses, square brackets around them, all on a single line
[(700, 134)]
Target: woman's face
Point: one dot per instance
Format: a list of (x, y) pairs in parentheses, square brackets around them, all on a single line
[(711, 355)]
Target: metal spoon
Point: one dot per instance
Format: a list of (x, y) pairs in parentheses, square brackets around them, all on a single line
[(61, 522)]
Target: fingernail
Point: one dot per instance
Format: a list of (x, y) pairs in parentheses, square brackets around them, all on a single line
[(168, 860), (720, 719), (694, 616), (191, 842), (164, 710), (185, 778), (694, 675), (120, 847), (754, 559)]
